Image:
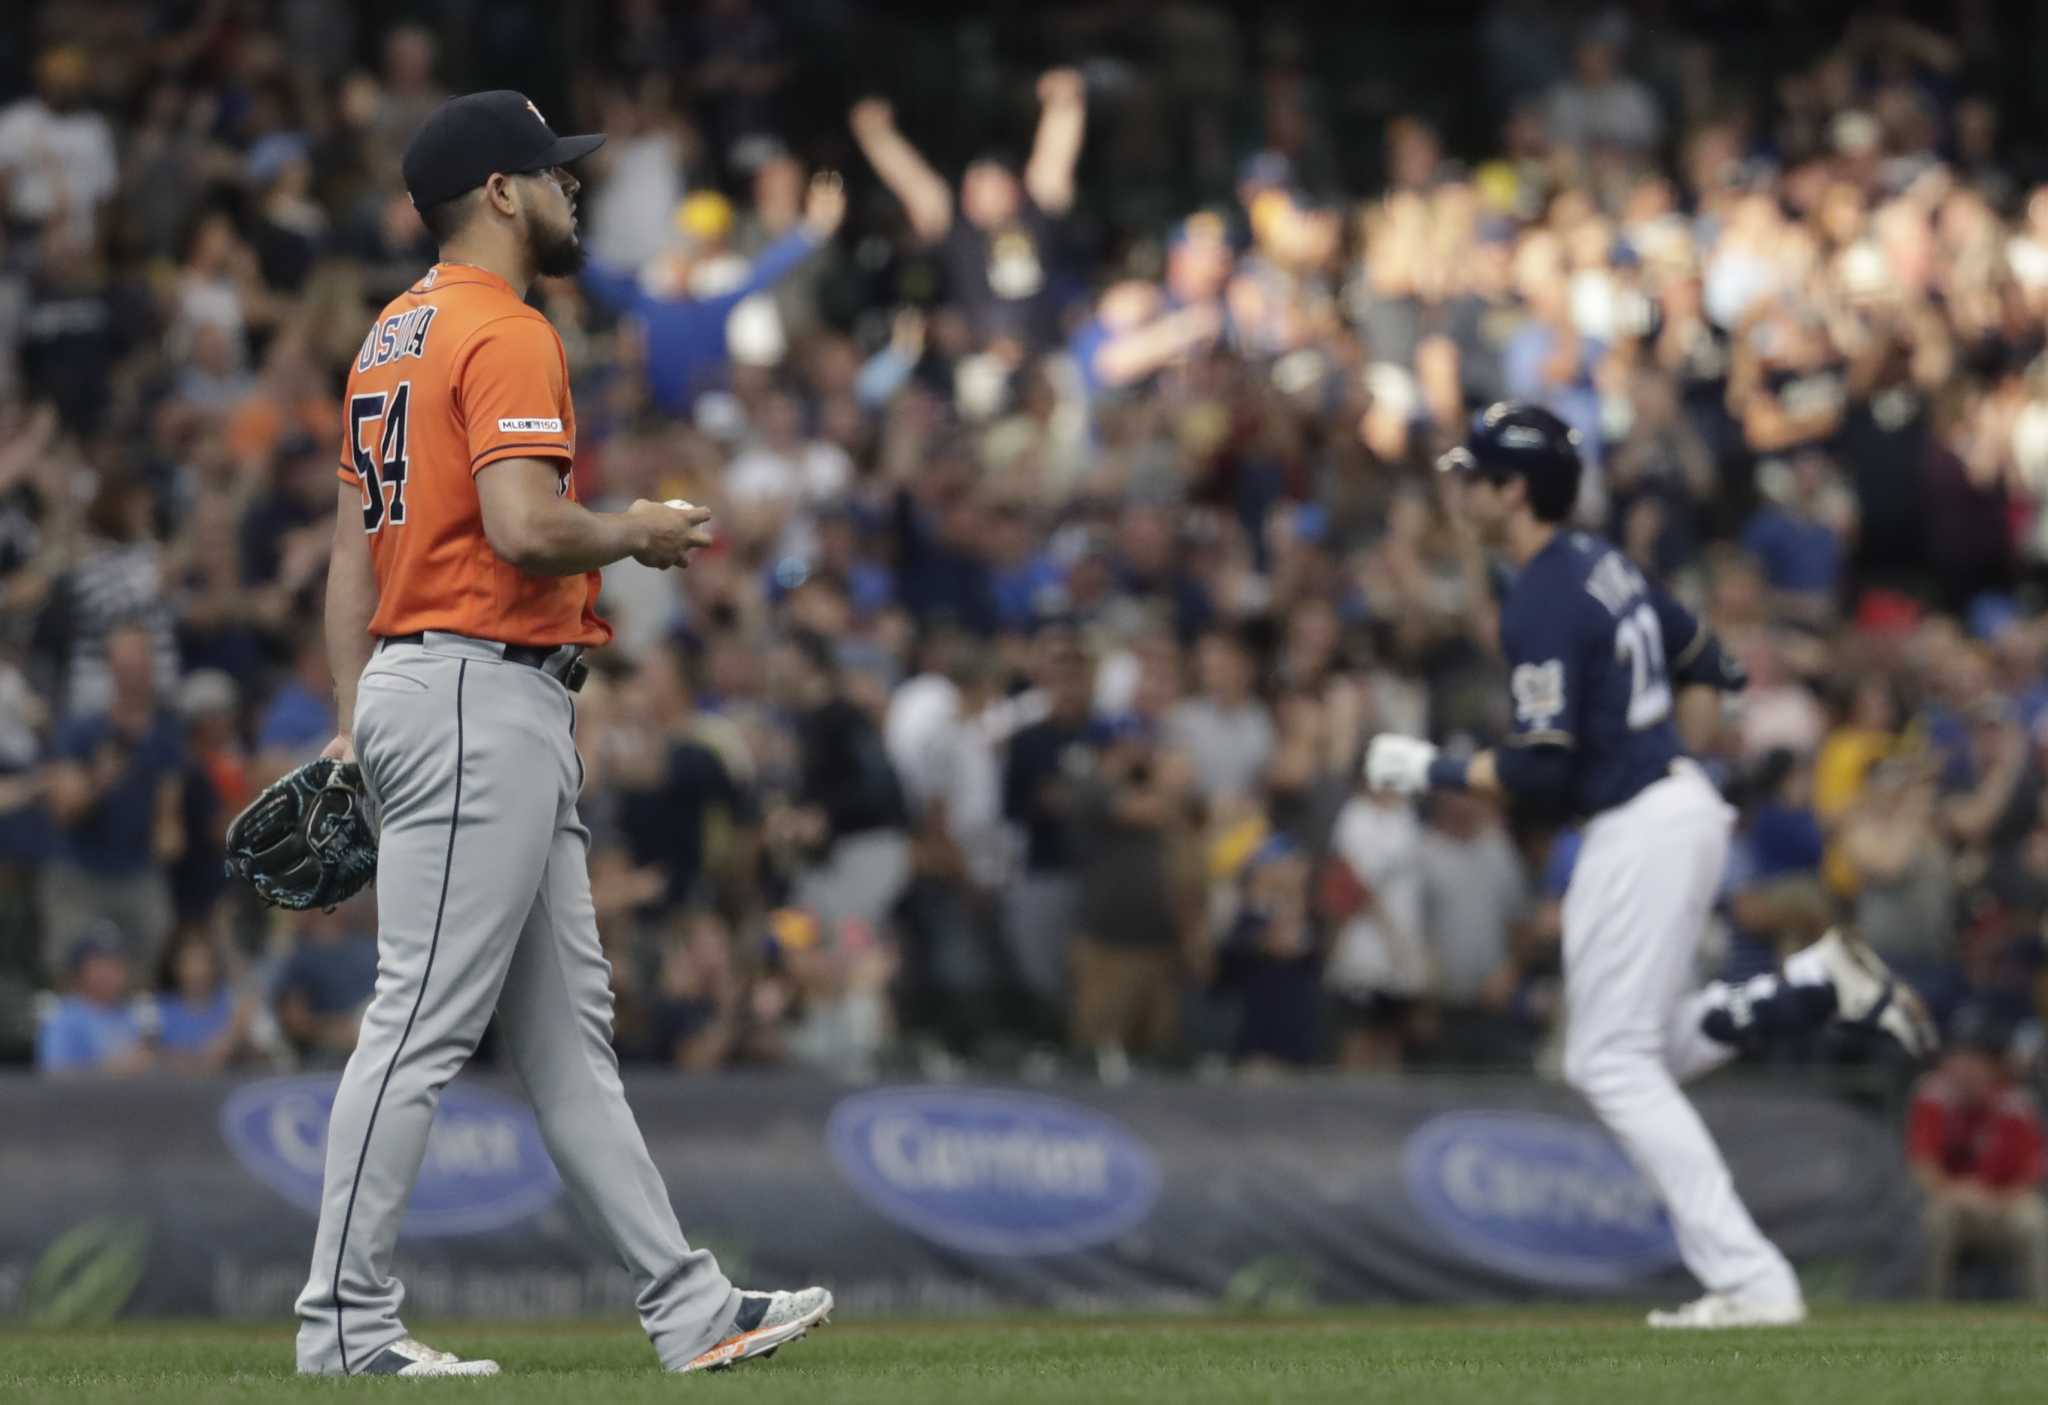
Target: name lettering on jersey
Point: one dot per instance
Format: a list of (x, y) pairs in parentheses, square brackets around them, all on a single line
[(532, 426), (1538, 691), (1615, 583), (396, 338)]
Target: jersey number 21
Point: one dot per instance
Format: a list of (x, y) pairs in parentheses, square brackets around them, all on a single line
[(1639, 641)]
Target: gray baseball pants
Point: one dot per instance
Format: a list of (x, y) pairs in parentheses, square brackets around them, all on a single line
[(483, 906)]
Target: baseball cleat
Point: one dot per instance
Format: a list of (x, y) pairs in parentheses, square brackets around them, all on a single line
[(1716, 1311), (411, 1358), (766, 1323), (1868, 995)]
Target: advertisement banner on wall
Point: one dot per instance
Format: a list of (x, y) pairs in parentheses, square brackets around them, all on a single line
[(183, 1199)]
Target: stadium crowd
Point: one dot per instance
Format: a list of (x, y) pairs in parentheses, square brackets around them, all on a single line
[(1072, 544)]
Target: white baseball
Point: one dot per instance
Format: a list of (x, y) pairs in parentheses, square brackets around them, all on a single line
[(679, 505)]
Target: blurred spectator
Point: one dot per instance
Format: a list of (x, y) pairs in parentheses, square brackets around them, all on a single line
[(1224, 729), (1865, 733), (1136, 912), (1599, 108), (1663, 471), (1271, 959), (409, 91), (1475, 895), (695, 1016), (75, 327), (1135, 332), (1047, 765), (1802, 535), (942, 740), (1974, 1143), (1002, 245), (116, 584), (680, 812), (92, 1028), (737, 46), (778, 201), (1903, 887), (1780, 711), (212, 791), (325, 981), (685, 335), (1775, 900), (779, 472), (57, 154), (632, 214), (197, 1020), (825, 997), (850, 809), (24, 822), (171, 160), (299, 718), (219, 299), (114, 784), (290, 229), (1379, 969)]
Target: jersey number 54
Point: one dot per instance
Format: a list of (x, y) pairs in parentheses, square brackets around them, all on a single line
[(382, 476)]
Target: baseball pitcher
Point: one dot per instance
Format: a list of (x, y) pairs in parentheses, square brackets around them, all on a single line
[(460, 598)]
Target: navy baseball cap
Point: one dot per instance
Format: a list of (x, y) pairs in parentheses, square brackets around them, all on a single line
[(469, 139)]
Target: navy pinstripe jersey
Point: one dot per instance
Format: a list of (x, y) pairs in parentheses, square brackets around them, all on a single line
[(1591, 646)]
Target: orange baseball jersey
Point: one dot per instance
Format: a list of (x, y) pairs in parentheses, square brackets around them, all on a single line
[(456, 374)]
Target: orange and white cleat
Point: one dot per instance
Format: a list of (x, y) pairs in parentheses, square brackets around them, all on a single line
[(766, 1323)]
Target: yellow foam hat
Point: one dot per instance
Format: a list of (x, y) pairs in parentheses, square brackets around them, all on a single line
[(793, 929), (704, 216)]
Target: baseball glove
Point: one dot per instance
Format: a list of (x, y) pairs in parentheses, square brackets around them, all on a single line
[(306, 840)]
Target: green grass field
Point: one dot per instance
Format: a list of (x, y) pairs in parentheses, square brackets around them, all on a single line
[(1925, 1357)]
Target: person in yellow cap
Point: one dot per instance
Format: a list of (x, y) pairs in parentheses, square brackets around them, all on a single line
[(705, 219), (686, 331), (697, 261)]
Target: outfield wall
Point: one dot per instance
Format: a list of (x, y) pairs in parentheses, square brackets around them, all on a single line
[(196, 1199)]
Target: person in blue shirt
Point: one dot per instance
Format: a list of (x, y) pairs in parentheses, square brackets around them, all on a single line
[(299, 718), (327, 980), (114, 787), (1135, 332), (93, 1029), (1801, 550), (1595, 653), (199, 1024), (685, 336), (1773, 885)]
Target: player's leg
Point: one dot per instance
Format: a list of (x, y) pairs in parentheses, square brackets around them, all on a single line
[(555, 1013), (1637, 903), (1836, 979), (1723, 1019), (464, 825)]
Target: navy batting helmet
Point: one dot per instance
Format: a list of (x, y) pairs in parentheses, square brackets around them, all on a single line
[(1514, 439)]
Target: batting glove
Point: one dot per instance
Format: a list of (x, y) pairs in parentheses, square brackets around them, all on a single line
[(1397, 763)]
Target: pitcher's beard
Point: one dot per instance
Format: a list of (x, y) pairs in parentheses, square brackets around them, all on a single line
[(558, 255)]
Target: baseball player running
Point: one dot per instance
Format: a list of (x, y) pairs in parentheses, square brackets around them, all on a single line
[(459, 600), (1595, 652)]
